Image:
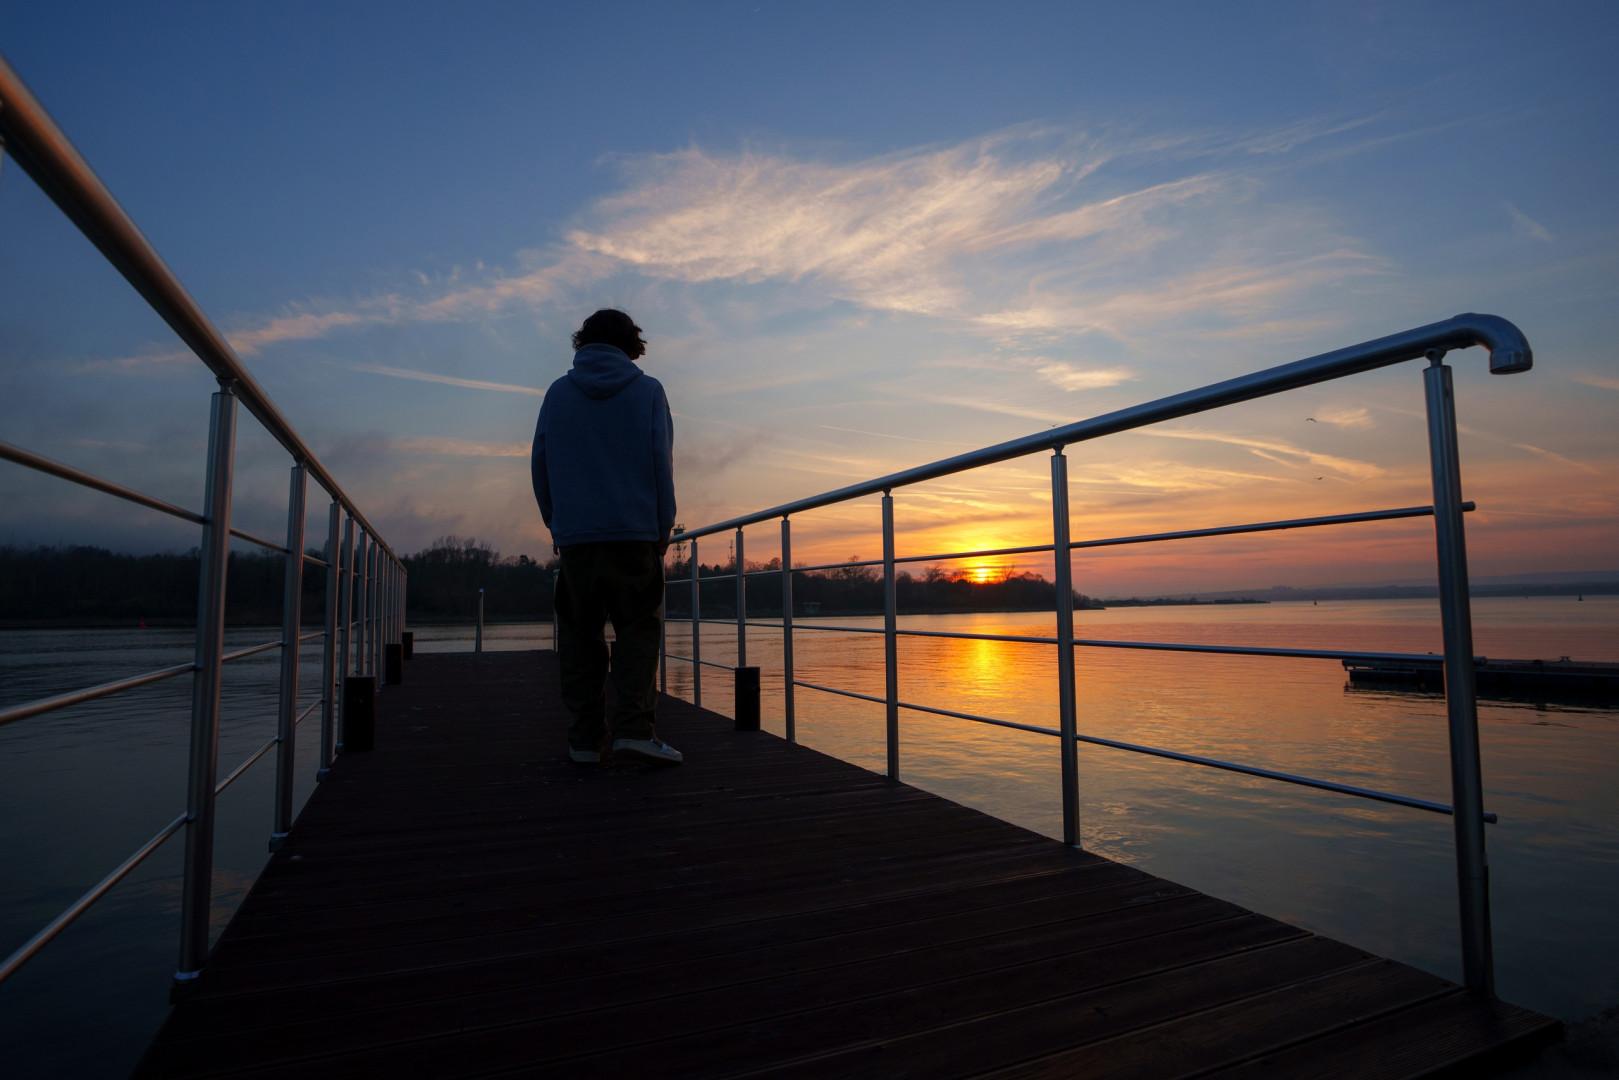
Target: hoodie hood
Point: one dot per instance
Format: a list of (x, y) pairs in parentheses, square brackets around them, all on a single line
[(601, 371)]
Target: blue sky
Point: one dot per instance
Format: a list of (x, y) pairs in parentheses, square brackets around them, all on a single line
[(860, 237)]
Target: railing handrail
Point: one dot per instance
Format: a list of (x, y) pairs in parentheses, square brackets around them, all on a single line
[(1509, 353), (369, 582), (44, 152)]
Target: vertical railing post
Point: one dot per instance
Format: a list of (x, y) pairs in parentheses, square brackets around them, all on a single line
[(292, 594), (741, 605), (345, 617), (379, 623), (362, 609), (1461, 704), (329, 668), (1066, 710), (372, 589), (696, 629), (362, 568), (477, 641), (196, 892), (787, 629), (381, 639), (891, 636)]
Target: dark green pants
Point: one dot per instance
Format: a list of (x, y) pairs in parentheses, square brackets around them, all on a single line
[(621, 583)]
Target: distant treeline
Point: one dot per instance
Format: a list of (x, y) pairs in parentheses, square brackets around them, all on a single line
[(857, 590), (89, 585)]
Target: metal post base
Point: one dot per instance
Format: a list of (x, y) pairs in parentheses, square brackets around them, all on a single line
[(359, 713), (747, 699)]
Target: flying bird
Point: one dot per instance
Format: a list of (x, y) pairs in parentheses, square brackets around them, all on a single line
[(1312, 419)]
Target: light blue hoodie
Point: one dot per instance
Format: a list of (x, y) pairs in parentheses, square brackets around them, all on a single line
[(603, 459)]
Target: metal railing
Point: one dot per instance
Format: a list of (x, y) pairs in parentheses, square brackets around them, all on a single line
[(365, 580), (1509, 352)]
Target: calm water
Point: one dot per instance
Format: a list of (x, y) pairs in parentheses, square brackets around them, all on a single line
[(81, 788)]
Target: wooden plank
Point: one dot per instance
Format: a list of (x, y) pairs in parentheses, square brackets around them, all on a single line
[(1453, 1033), (462, 900)]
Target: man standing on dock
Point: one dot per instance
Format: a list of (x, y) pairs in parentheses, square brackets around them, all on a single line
[(604, 478)]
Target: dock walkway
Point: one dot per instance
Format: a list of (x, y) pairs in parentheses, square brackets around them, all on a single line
[(462, 901)]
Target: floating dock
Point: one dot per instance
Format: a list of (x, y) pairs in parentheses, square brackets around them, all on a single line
[(1562, 680), (461, 900)]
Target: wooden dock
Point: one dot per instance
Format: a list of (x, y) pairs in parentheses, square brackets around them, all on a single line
[(462, 901)]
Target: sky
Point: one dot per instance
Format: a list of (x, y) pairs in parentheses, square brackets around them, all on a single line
[(859, 237)]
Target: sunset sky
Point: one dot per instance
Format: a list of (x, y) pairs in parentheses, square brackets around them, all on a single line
[(860, 237)]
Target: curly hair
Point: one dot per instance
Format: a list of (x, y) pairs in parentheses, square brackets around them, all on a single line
[(609, 326)]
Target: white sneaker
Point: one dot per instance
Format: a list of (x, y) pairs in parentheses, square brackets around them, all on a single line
[(584, 757), (654, 750)]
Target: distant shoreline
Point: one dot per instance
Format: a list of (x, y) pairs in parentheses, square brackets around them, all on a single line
[(1295, 596)]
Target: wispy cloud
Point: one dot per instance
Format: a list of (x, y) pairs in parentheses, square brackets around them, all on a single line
[(1071, 377), (1357, 417), (437, 446), (447, 380), (1601, 382), (1024, 232), (1552, 455), (1003, 408), (1275, 450), (1524, 225)]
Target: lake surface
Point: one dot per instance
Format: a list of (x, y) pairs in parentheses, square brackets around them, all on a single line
[(80, 789)]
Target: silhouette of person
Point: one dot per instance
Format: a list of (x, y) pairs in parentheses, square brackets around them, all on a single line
[(604, 478)]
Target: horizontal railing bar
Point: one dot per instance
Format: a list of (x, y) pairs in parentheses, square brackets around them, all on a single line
[(839, 629), (705, 663), (1188, 534), (32, 946), (1256, 650), (1269, 526), (313, 705), (1093, 643), (836, 566), (1509, 352), (243, 654), (316, 559), (1213, 763), (1145, 538), (242, 534), (1286, 778), (311, 636), (843, 693), (1026, 639), (1032, 549), (975, 718), (244, 766), (29, 459), (89, 693), (44, 152)]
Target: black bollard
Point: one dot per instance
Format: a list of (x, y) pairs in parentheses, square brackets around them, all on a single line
[(747, 699), (408, 639), (359, 713), (393, 663)]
